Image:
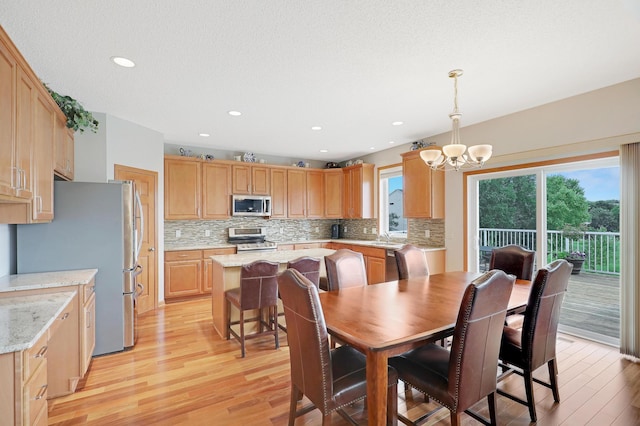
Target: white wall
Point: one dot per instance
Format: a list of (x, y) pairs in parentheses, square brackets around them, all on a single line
[(593, 122), (122, 142)]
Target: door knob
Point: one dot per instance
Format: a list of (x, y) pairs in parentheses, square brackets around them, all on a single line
[(152, 249)]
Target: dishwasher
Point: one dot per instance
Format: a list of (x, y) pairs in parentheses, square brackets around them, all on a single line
[(390, 266)]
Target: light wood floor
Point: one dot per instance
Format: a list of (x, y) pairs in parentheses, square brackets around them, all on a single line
[(182, 373)]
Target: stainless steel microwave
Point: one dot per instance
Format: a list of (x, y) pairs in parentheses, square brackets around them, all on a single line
[(251, 205)]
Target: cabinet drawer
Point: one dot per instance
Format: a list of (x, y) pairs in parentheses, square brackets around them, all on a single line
[(172, 256), (35, 356), (302, 246), (218, 251), (35, 395), (370, 251)]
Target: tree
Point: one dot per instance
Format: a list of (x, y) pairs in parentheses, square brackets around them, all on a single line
[(508, 203), (393, 221), (566, 203), (605, 215)]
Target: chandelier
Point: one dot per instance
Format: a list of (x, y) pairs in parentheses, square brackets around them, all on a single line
[(455, 155)]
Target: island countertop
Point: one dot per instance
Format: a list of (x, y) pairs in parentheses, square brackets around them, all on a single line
[(46, 279), (279, 256), (23, 319)]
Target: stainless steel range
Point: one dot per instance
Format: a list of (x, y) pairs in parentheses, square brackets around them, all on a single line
[(248, 239)]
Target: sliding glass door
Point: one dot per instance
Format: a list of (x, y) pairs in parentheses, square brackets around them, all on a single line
[(562, 211)]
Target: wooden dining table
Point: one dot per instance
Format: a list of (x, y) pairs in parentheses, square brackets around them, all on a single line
[(387, 319)]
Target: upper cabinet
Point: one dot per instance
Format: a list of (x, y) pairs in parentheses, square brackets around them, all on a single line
[(358, 191), (423, 188), (182, 188), (250, 179), (196, 189), (28, 132), (333, 193), (297, 193), (216, 195), (279, 203), (315, 194)]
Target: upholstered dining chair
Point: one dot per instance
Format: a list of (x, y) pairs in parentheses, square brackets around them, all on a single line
[(258, 290), (345, 268), (307, 266), (534, 345), (411, 262), (459, 378), (513, 260), (329, 378), (310, 268)]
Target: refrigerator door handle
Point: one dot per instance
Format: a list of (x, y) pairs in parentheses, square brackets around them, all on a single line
[(140, 232)]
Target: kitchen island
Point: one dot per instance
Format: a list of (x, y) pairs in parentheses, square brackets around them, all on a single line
[(226, 275)]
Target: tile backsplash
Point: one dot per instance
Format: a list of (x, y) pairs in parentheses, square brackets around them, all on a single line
[(193, 233)]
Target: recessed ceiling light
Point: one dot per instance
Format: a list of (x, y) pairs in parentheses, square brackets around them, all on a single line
[(391, 142), (397, 123), (324, 150), (123, 62), (204, 135), (316, 128), (235, 113), (372, 147)]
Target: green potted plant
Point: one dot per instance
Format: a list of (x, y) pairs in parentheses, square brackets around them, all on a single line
[(78, 118)]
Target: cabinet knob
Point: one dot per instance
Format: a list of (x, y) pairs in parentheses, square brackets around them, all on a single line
[(152, 249)]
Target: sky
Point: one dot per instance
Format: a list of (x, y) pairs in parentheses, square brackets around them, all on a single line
[(598, 184)]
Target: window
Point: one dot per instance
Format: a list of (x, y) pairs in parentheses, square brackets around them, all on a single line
[(391, 215)]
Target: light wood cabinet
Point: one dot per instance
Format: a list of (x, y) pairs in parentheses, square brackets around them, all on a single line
[(279, 202), (250, 179), (182, 188), (374, 260), (64, 144), (423, 188), (358, 191), (188, 272), (53, 366), (216, 198), (315, 194), (297, 193), (333, 187), (27, 135)]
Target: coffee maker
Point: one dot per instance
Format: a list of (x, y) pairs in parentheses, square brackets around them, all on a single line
[(336, 231)]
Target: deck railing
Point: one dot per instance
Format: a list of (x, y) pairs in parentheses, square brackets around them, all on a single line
[(602, 249)]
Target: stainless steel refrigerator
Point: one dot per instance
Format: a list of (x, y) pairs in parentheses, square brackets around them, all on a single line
[(95, 225)]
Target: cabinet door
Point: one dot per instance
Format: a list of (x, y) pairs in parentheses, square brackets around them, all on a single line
[(216, 191), (315, 194), (26, 95), (423, 188), (375, 269), (241, 181), (8, 73), (296, 193), (182, 189), (207, 276), (333, 193), (260, 178), (182, 278), (64, 352), (44, 128), (88, 330), (278, 192)]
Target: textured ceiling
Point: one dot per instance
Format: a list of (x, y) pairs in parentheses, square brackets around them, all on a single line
[(352, 67)]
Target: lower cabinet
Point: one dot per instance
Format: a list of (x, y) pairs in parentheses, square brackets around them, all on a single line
[(187, 273), (374, 260)]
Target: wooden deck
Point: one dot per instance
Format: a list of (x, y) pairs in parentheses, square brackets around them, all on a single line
[(593, 304)]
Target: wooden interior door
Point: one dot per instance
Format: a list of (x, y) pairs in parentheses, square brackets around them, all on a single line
[(146, 184)]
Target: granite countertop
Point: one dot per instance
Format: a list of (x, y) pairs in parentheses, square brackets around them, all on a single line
[(279, 256), (46, 279), (23, 319)]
